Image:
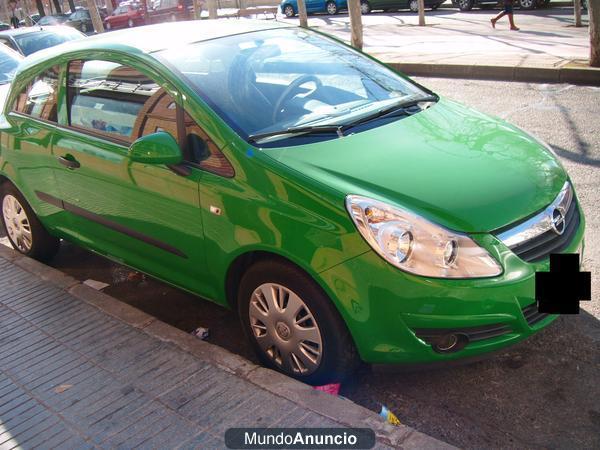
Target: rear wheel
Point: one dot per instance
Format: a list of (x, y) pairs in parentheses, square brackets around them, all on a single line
[(23, 229), (365, 7), (413, 5), (288, 10), (130, 23), (465, 5), (293, 326), (332, 8)]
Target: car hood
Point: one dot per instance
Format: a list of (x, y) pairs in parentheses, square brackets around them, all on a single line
[(451, 164)]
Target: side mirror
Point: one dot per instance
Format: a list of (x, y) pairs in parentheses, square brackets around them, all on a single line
[(156, 148)]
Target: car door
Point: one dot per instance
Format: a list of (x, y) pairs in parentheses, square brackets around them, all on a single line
[(144, 215), (315, 6), (33, 122)]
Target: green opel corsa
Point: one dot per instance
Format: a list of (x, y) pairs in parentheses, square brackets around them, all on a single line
[(344, 211)]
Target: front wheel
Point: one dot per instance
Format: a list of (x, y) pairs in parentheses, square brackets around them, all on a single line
[(413, 5), (465, 5), (293, 326), (527, 4), (130, 23), (23, 229), (288, 10), (365, 7), (84, 28), (332, 8)]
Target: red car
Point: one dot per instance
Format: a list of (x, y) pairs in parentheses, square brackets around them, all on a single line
[(126, 15)]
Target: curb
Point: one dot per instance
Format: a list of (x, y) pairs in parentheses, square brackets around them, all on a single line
[(589, 76), (339, 409)]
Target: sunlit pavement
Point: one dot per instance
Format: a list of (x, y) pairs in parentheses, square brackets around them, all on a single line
[(547, 37)]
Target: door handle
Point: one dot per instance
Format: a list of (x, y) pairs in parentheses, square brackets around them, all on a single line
[(69, 163)]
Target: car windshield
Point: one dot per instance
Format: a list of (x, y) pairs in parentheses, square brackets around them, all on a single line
[(32, 42), (9, 61), (273, 80)]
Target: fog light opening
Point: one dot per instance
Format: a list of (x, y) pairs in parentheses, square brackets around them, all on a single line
[(450, 343)]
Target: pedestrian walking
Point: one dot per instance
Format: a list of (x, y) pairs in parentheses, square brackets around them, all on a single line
[(14, 20), (508, 11)]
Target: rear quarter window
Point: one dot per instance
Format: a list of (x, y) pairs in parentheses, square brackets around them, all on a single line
[(38, 98)]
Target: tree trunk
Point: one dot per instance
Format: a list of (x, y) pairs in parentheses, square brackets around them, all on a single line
[(213, 12), (28, 21), (302, 13), (57, 6), (40, 7), (577, 12), (95, 16), (594, 15), (421, 13), (356, 23), (197, 9), (109, 7)]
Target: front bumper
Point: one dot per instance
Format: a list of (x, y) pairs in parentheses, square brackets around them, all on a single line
[(386, 308)]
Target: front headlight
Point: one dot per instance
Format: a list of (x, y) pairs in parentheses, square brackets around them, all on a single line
[(417, 245)]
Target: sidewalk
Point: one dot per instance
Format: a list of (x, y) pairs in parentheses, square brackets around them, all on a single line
[(463, 44), (78, 369)]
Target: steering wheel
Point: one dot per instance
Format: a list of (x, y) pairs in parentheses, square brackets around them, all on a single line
[(291, 89)]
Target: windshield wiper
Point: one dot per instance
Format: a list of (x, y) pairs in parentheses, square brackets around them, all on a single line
[(313, 129), (397, 108)]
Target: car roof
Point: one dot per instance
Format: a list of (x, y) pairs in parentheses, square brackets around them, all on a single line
[(152, 38), (33, 29)]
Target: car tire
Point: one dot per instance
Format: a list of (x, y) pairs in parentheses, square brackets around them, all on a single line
[(465, 5), (413, 5), (435, 7), (365, 7), (527, 4), (288, 10), (24, 230), (84, 28), (326, 355), (331, 8), (108, 26), (130, 23)]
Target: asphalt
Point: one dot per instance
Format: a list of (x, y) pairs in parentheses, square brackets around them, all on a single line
[(79, 369)]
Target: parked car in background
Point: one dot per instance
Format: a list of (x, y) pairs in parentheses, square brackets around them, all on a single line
[(170, 10), (468, 5), (32, 39), (4, 26), (345, 211), (34, 19), (57, 19), (366, 6), (9, 61), (82, 21), (290, 7), (126, 15)]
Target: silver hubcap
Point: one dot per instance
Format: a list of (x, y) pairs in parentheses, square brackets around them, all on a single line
[(331, 8), (364, 8), (17, 223), (527, 3), (285, 329), (414, 6), (464, 3), (289, 11)]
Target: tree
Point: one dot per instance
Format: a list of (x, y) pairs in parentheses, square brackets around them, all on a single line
[(57, 6), (421, 12), (95, 16), (577, 11), (594, 15), (40, 7), (213, 12), (302, 13), (356, 27)]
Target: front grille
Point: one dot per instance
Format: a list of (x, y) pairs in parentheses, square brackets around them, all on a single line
[(541, 246), (532, 315), (431, 335)]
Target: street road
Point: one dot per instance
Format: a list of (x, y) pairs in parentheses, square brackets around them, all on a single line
[(541, 393)]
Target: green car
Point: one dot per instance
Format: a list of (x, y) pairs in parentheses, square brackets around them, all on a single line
[(344, 211)]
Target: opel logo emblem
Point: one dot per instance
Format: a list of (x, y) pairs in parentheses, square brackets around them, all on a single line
[(558, 222)]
